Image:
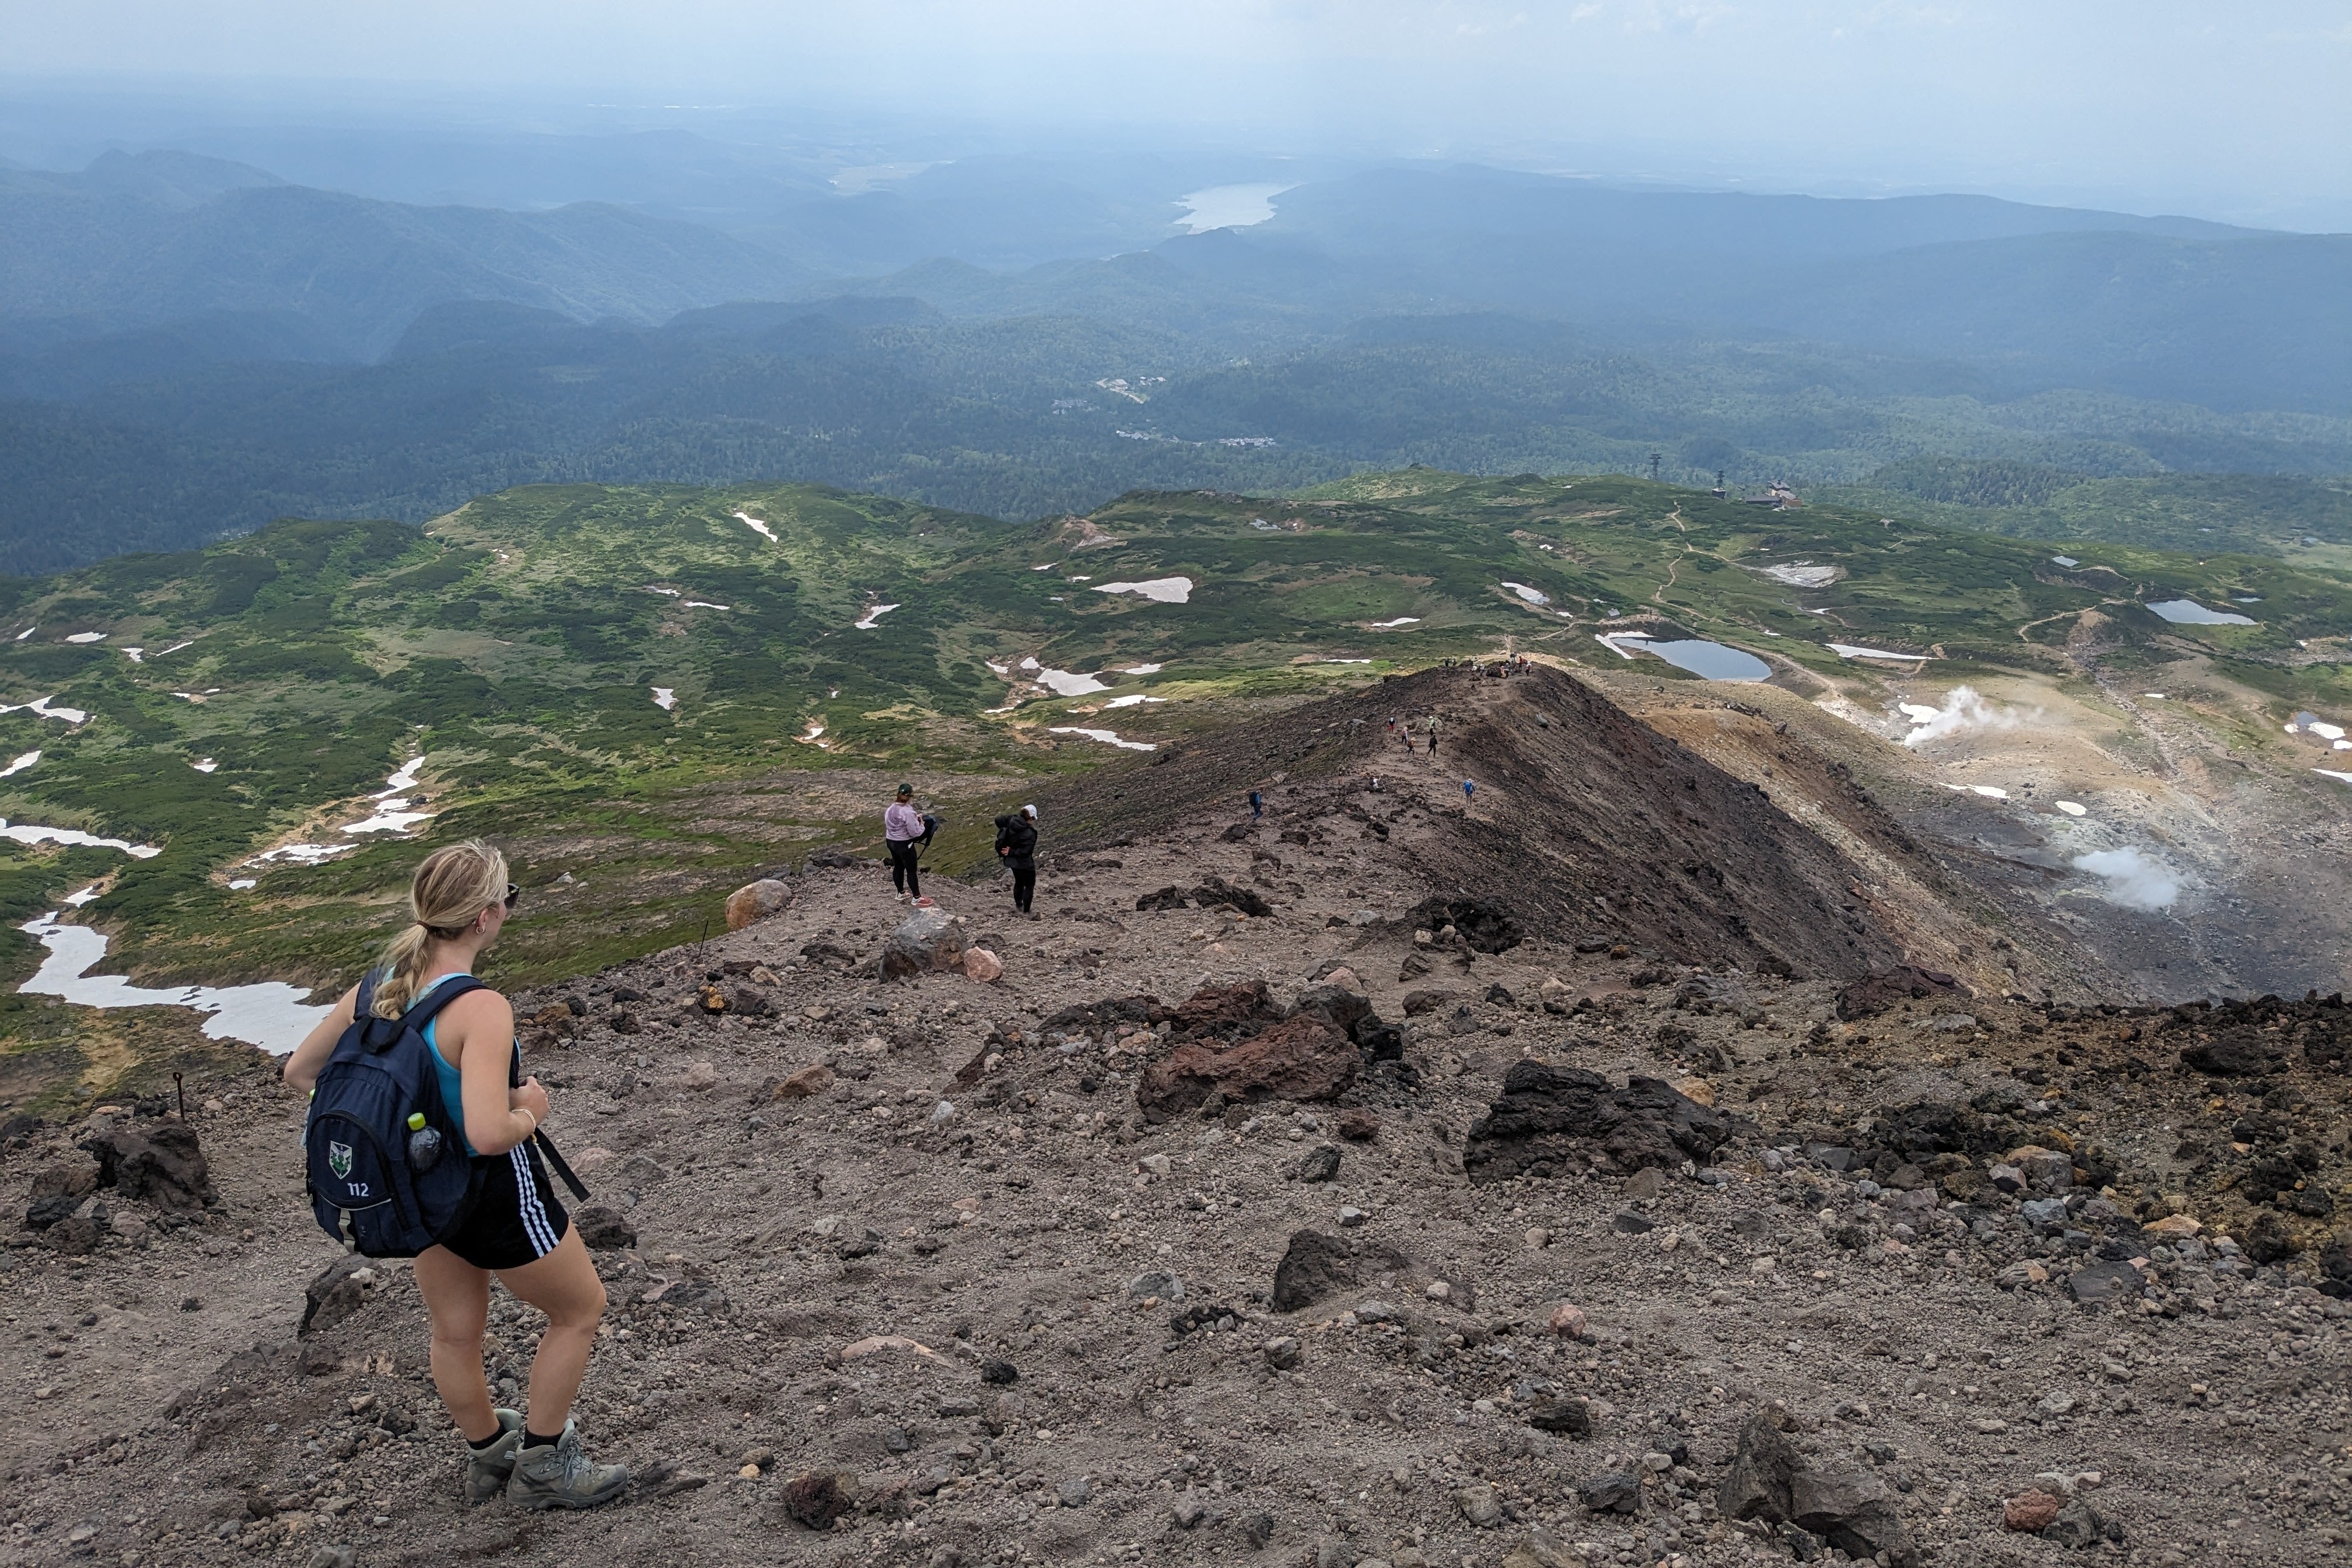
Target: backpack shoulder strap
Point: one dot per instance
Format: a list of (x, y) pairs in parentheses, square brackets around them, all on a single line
[(422, 1010)]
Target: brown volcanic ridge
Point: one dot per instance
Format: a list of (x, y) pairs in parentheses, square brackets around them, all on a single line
[(1577, 1178)]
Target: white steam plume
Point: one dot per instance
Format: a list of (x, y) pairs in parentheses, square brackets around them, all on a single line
[(2134, 879), (1964, 708)]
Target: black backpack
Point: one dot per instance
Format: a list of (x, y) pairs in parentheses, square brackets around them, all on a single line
[(378, 1090)]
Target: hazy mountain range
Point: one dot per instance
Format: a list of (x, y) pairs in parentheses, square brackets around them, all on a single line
[(190, 346)]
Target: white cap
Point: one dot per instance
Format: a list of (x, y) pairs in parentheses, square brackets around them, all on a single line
[(1029, 811)]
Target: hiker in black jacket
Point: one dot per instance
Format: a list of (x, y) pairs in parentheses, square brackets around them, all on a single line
[(1017, 846)]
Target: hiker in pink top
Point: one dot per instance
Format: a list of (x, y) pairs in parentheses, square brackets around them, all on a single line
[(901, 825)]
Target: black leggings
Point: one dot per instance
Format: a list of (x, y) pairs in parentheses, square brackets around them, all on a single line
[(1024, 888), (905, 874)]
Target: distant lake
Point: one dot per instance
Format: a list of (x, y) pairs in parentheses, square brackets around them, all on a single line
[(1710, 661), (2189, 613), (1228, 207)]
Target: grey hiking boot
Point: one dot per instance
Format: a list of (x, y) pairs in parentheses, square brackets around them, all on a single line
[(486, 1470), (561, 1476)]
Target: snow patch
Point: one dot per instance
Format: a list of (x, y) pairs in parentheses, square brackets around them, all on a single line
[(30, 833), (873, 614), (2074, 808), (1160, 590), (86, 896), (665, 698), (1804, 574), (1531, 595), (203, 764), (1850, 650), (1399, 621), (41, 705), (1135, 700), (1063, 683), (271, 1014), (87, 637), (1109, 738), (756, 526), (1143, 669), (20, 764), (301, 854)]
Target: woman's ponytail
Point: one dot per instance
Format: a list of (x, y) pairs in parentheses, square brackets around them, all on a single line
[(403, 972), (452, 886)]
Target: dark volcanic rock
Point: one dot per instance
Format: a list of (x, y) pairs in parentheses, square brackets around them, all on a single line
[(2236, 1053), (1876, 992), (161, 1164), (1553, 1119), (603, 1229), (1316, 1264), (1214, 893), (1484, 925), (1300, 1059), (333, 1294), (1334, 1006), (1838, 1500), (1612, 1491), (819, 1498)]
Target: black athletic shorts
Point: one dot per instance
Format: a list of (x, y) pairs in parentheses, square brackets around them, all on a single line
[(515, 1218)]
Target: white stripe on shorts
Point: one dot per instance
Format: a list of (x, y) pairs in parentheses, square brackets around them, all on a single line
[(535, 1223)]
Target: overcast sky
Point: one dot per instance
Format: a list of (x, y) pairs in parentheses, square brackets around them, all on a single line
[(2241, 111)]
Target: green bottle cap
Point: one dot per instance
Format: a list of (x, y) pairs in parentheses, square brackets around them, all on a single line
[(417, 1122)]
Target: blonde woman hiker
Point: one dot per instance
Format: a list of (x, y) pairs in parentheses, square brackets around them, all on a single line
[(511, 1225)]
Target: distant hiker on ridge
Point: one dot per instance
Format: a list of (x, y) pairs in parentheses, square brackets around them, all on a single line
[(508, 1225), (1257, 805), (902, 826), (1017, 846)]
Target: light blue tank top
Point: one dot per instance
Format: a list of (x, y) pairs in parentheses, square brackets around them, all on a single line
[(452, 1083)]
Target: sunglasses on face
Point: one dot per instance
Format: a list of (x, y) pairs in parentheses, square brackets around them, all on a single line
[(513, 893)]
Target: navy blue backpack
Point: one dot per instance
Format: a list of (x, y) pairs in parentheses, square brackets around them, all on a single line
[(377, 1092)]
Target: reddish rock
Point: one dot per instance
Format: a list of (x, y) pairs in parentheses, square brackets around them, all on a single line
[(802, 1083), (756, 901), (1225, 1011), (1359, 1125), (819, 1498), (1567, 1320), (2030, 1513), (1301, 1059), (979, 963)]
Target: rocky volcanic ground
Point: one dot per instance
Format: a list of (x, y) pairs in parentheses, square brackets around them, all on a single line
[(1314, 1236)]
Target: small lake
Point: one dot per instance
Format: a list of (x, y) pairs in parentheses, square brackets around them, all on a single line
[(2189, 613), (1709, 661), (1229, 206), (271, 1014)]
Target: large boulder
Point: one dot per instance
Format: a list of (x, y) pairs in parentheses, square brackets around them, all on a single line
[(1483, 924), (160, 1163), (1302, 1059), (756, 901), (1839, 1500), (1873, 993), (927, 942), (1552, 1121), (1225, 1012)]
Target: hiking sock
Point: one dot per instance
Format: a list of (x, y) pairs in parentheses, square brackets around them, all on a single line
[(532, 1440), (486, 1444)]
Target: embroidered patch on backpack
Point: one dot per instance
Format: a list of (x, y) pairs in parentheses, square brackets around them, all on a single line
[(339, 1159)]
